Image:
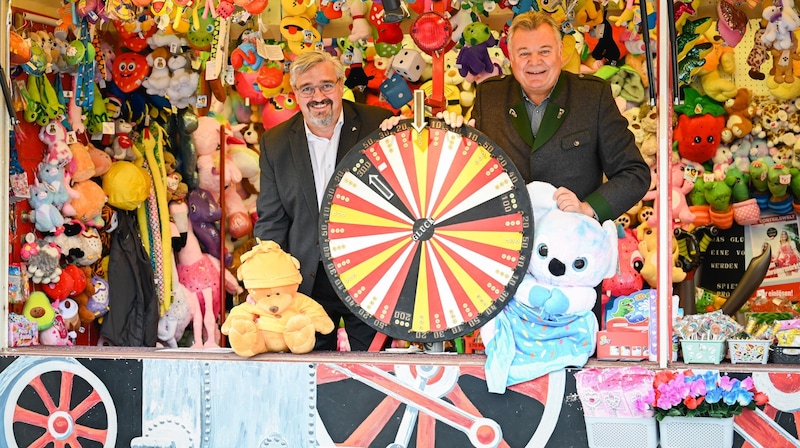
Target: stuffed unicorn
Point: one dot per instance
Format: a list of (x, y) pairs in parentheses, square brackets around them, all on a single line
[(549, 324)]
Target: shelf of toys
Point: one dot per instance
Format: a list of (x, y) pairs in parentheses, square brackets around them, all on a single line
[(150, 129)]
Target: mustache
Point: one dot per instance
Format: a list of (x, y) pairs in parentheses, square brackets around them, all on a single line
[(320, 103)]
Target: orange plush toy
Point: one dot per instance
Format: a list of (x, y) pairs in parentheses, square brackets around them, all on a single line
[(275, 318)]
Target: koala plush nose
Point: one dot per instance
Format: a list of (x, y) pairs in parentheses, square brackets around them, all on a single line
[(556, 267), (273, 309)]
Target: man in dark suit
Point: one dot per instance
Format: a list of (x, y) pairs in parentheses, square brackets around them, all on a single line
[(559, 127), (298, 158)]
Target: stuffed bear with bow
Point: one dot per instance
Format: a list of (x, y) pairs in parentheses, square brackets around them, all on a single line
[(549, 323)]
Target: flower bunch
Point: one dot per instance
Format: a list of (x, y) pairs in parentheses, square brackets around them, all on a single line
[(703, 395)]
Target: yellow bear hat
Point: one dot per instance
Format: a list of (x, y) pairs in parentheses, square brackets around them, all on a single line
[(266, 265)]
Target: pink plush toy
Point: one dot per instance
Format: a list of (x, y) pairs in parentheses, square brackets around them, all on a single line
[(56, 334), (199, 273), (54, 135), (681, 186)]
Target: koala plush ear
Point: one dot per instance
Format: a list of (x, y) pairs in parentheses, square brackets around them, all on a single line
[(611, 231), (541, 194)]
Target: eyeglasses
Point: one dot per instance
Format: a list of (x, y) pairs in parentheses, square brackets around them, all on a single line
[(325, 88)]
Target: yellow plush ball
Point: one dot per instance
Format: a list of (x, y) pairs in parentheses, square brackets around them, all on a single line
[(126, 185)]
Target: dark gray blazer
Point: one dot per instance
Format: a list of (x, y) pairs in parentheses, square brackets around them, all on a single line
[(287, 204), (582, 136)]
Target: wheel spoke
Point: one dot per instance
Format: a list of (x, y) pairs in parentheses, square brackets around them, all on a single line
[(72, 441), (42, 441), (366, 432), (67, 380), (426, 431), (22, 415), (98, 435), (86, 405), (460, 400), (44, 395)]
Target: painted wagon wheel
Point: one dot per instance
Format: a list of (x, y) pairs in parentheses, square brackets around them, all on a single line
[(426, 400), (59, 402), (426, 234)]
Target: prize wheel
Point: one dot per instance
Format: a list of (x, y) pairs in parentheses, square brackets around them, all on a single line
[(426, 234)]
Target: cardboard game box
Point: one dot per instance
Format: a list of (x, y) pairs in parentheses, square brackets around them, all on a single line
[(626, 327)]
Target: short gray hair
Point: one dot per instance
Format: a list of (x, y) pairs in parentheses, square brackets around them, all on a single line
[(531, 21), (306, 61)]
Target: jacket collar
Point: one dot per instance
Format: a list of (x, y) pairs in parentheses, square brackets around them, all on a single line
[(554, 115)]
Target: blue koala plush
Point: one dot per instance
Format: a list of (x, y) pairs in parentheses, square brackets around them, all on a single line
[(549, 324)]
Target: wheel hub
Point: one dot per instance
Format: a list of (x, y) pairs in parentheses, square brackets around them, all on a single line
[(60, 425)]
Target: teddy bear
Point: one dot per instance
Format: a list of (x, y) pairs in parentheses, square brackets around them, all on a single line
[(158, 81), (648, 237), (783, 63), (275, 317), (740, 115), (572, 254)]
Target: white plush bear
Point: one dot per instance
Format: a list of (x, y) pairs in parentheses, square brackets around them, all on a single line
[(549, 323)]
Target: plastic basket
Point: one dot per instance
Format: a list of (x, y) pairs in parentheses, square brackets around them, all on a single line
[(786, 355), (748, 351), (608, 432), (696, 432), (703, 352)]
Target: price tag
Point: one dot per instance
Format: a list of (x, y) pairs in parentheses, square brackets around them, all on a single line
[(274, 52), (211, 70), (261, 48), (108, 128), (229, 80)]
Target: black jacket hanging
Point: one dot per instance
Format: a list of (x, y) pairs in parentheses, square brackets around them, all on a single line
[(132, 318)]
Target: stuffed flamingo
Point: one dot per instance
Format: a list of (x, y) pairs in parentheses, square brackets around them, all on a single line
[(199, 273)]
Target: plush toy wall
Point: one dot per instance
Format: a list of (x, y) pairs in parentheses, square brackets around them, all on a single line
[(164, 99)]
